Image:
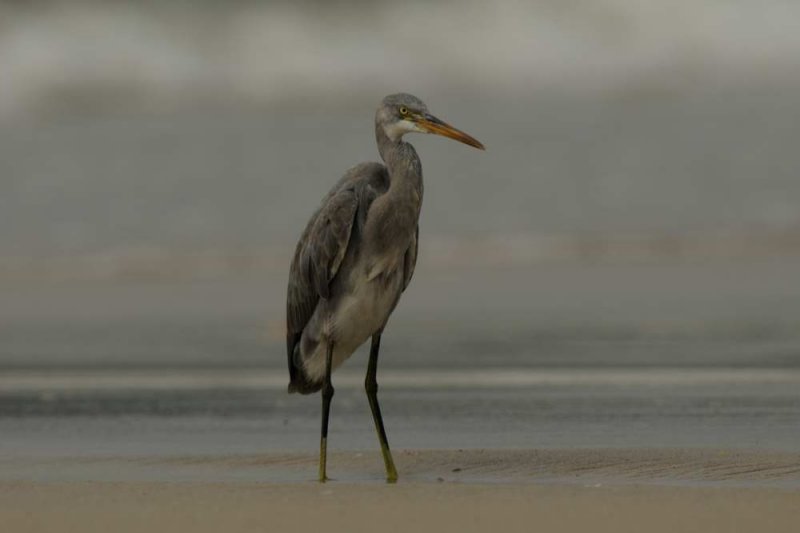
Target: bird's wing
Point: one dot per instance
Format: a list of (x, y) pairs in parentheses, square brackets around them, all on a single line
[(410, 259), (318, 256), (324, 243)]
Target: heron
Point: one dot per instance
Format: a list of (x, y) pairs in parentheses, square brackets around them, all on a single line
[(354, 260)]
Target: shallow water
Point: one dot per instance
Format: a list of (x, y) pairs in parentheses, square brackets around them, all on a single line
[(581, 356)]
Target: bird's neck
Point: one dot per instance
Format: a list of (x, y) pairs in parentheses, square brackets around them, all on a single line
[(402, 161), (394, 215)]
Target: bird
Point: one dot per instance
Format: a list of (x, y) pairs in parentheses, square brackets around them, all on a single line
[(355, 258)]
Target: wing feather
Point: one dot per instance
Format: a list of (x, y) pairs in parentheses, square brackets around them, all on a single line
[(410, 260), (324, 243)]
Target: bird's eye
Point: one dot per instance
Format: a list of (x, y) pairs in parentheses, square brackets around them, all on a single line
[(403, 110)]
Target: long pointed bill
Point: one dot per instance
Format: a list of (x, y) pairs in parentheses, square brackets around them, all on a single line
[(431, 124)]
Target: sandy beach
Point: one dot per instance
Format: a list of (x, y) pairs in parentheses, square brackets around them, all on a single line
[(458, 490)]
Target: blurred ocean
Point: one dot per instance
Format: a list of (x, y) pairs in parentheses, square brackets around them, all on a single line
[(635, 219), (82, 53), (196, 138)]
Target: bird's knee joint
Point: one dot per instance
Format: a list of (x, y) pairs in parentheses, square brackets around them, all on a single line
[(327, 391), (371, 387)]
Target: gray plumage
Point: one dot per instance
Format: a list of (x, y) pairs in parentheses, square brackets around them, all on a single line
[(356, 257)]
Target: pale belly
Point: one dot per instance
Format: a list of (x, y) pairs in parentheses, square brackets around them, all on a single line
[(350, 320)]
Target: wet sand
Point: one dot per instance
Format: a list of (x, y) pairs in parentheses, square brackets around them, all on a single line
[(576, 466), (458, 490)]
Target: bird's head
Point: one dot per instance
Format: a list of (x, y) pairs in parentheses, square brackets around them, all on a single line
[(403, 113)]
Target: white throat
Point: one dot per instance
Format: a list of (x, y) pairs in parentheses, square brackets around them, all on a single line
[(396, 130)]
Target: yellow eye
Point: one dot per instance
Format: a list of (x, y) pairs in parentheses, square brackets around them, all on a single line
[(403, 110)]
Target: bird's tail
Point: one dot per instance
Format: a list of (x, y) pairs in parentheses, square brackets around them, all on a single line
[(299, 381)]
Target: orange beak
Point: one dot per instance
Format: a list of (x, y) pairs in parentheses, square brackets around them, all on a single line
[(431, 124)]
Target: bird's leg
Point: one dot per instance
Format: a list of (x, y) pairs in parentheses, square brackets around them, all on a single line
[(327, 394), (371, 385)]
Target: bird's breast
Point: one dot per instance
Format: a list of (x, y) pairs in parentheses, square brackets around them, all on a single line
[(365, 304)]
